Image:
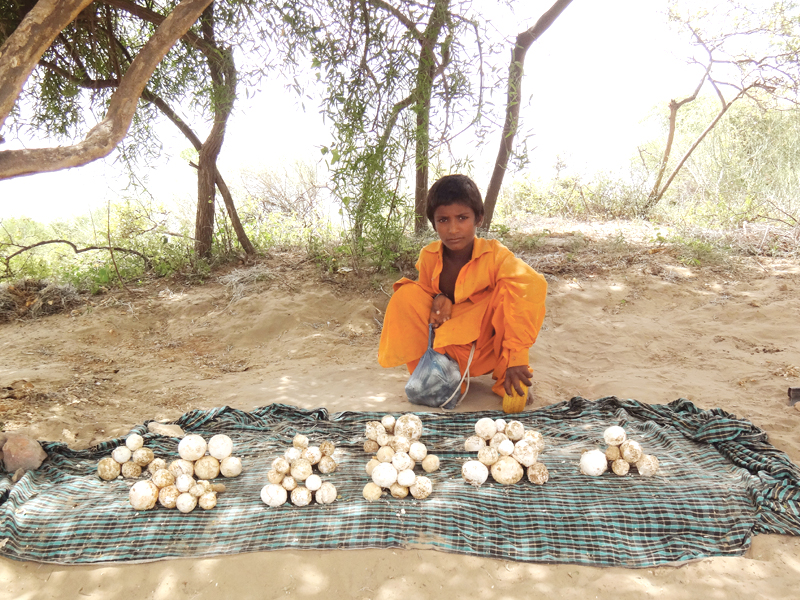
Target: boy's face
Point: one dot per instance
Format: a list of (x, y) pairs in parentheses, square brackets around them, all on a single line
[(456, 225)]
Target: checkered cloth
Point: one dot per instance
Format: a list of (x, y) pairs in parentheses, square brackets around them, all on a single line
[(719, 483)]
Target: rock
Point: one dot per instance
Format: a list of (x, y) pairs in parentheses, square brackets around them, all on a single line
[(3, 438), (18, 474), (164, 429), (22, 452)]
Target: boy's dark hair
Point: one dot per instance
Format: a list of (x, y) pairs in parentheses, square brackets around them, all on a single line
[(454, 189)]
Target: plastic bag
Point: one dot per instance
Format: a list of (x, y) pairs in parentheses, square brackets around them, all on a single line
[(436, 380)]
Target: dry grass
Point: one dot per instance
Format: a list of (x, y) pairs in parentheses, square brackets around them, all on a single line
[(30, 299)]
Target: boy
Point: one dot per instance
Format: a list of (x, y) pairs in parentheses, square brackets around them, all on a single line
[(471, 290)]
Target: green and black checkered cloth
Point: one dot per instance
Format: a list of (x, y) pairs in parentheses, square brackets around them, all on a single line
[(719, 483)]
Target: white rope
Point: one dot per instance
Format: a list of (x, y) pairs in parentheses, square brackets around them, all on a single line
[(458, 387)]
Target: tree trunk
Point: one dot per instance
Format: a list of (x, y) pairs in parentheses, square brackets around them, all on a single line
[(422, 106), (104, 137), (515, 71)]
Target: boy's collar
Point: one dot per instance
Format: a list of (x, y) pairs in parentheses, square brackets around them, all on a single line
[(481, 246)]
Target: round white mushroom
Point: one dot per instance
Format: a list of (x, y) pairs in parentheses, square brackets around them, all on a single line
[(485, 428), (220, 446), (388, 423), (614, 435), (384, 439), (474, 472), (301, 496), (134, 441), (535, 438), (371, 446), (230, 466), (410, 426), (273, 495), (143, 495), (168, 496), (515, 430), (121, 454), (108, 469), (186, 503), (384, 475), (430, 463), (505, 448), (507, 471), (497, 439), (422, 488), (417, 451), (594, 463), (326, 494), (274, 476), (500, 424), (327, 448), (402, 461), (525, 453), (192, 447), (406, 478), (184, 482), (292, 454), (300, 441), (288, 483), (314, 482), (474, 443), (647, 465)]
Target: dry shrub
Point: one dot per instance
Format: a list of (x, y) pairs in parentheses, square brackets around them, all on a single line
[(30, 298)]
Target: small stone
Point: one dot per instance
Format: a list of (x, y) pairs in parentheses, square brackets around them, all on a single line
[(165, 430), (22, 452)]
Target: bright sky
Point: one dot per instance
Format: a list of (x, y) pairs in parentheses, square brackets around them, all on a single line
[(592, 79)]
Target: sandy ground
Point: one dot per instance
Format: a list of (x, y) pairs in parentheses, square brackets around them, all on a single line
[(623, 319)]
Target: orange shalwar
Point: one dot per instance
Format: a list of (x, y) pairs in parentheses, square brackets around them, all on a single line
[(499, 305)]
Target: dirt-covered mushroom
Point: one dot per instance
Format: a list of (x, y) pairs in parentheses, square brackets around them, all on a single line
[(647, 465), (312, 454), (525, 453), (281, 465), (274, 476), (184, 482), (134, 441), (388, 422), (507, 471), (326, 494), (326, 465), (292, 454), (535, 438), (186, 503), (474, 443), (612, 453), (301, 496), (515, 430), (400, 443), (620, 467), (168, 496), (497, 439), (156, 464), (371, 446), (121, 454), (402, 461), (327, 448), (385, 454), (538, 473), (422, 488), (418, 451), (288, 483), (372, 429), (142, 456), (300, 441), (181, 466), (631, 451), (384, 439), (430, 463), (108, 469), (206, 467), (130, 470), (372, 491), (370, 466), (485, 428), (398, 491), (207, 501), (301, 469), (488, 456), (410, 426), (163, 478)]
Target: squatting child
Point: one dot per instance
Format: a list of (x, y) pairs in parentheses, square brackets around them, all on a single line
[(471, 290)]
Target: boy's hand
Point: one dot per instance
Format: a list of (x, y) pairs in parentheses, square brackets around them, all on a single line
[(440, 310), (516, 377)]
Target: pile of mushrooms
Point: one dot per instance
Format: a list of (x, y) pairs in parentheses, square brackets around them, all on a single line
[(126, 461), (620, 454), (184, 483), (396, 446), (506, 449), (292, 475)]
